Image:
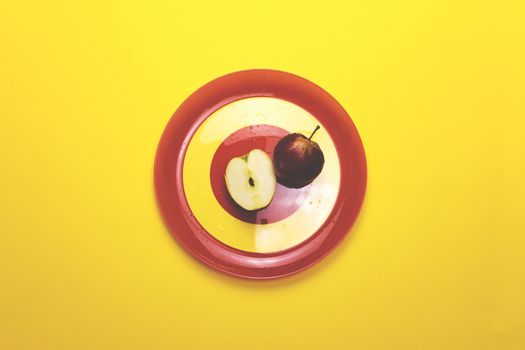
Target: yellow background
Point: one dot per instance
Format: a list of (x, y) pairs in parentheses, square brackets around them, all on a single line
[(436, 260)]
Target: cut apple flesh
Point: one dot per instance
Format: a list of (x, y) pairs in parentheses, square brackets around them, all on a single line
[(251, 180)]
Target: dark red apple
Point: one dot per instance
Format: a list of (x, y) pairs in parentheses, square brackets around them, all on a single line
[(297, 160)]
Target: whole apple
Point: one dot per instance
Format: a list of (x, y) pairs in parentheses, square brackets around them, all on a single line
[(297, 160)]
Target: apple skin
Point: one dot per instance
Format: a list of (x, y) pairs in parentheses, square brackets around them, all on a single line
[(297, 160)]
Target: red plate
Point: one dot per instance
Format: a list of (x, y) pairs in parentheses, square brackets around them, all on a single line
[(170, 159)]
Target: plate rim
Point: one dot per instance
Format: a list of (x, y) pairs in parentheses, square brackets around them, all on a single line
[(192, 112)]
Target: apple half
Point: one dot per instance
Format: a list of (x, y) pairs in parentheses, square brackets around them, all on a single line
[(251, 180)]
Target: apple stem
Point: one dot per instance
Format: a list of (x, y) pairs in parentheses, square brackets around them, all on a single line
[(316, 128)]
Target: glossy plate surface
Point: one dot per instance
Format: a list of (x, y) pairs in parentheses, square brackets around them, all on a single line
[(228, 117)]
